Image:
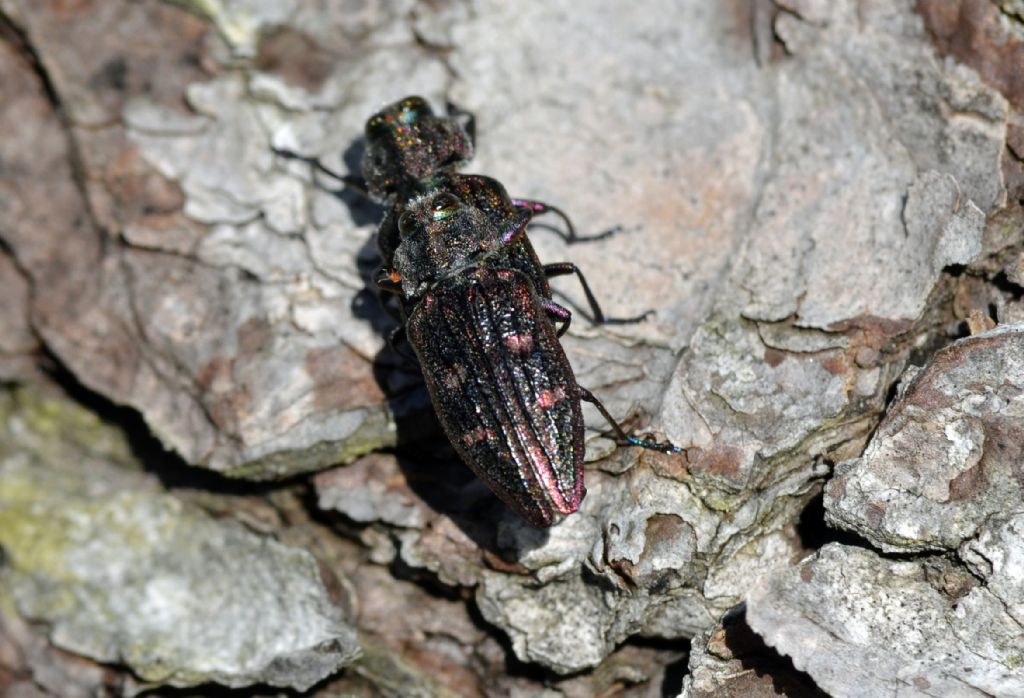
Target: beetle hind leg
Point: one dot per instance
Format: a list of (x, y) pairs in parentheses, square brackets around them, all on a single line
[(648, 441)]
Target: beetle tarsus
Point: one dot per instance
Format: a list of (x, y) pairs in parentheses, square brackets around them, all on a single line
[(648, 442)]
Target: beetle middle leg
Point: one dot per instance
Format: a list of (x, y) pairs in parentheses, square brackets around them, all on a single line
[(647, 442), (558, 314), (388, 281), (564, 268), (398, 335)]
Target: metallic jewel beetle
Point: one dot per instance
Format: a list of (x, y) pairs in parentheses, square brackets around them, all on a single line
[(478, 311)]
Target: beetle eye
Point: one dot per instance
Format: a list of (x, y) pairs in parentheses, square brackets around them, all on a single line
[(376, 126), (444, 205), (406, 222)]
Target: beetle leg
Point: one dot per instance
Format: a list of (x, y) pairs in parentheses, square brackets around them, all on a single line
[(558, 314), (396, 335), (518, 225), (351, 181), (468, 121), (390, 309), (571, 235), (647, 442), (563, 268), (389, 280)]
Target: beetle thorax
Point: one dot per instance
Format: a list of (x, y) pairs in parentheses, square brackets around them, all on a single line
[(441, 237)]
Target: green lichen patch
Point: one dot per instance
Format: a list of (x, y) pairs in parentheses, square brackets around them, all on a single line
[(122, 572)]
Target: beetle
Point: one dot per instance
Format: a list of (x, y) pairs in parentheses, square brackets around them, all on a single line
[(477, 309)]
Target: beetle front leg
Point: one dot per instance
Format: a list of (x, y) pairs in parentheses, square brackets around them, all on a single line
[(351, 181), (468, 120), (647, 442), (390, 281), (571, 236)]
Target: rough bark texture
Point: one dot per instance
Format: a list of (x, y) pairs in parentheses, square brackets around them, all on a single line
[(942, 473), (814, 196)]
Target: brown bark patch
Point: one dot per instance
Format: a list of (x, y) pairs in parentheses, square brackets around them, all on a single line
[(806, 574), (253, 335), (663, 529), (872, 325), (875, 513), (343, 379), (967, 484), (971, 32), (834, 364), (774, 357), (296, 58), (719, 460)]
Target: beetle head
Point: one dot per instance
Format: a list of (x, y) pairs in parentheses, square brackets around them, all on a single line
[(406, 142)]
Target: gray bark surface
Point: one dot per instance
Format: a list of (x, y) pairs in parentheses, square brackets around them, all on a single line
[(941, 474)]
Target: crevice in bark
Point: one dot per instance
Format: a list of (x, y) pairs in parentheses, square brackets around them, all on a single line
[(16, 35), (167, 466), (756, 657)]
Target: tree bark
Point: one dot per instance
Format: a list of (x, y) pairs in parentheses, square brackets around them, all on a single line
[(214, 471)]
